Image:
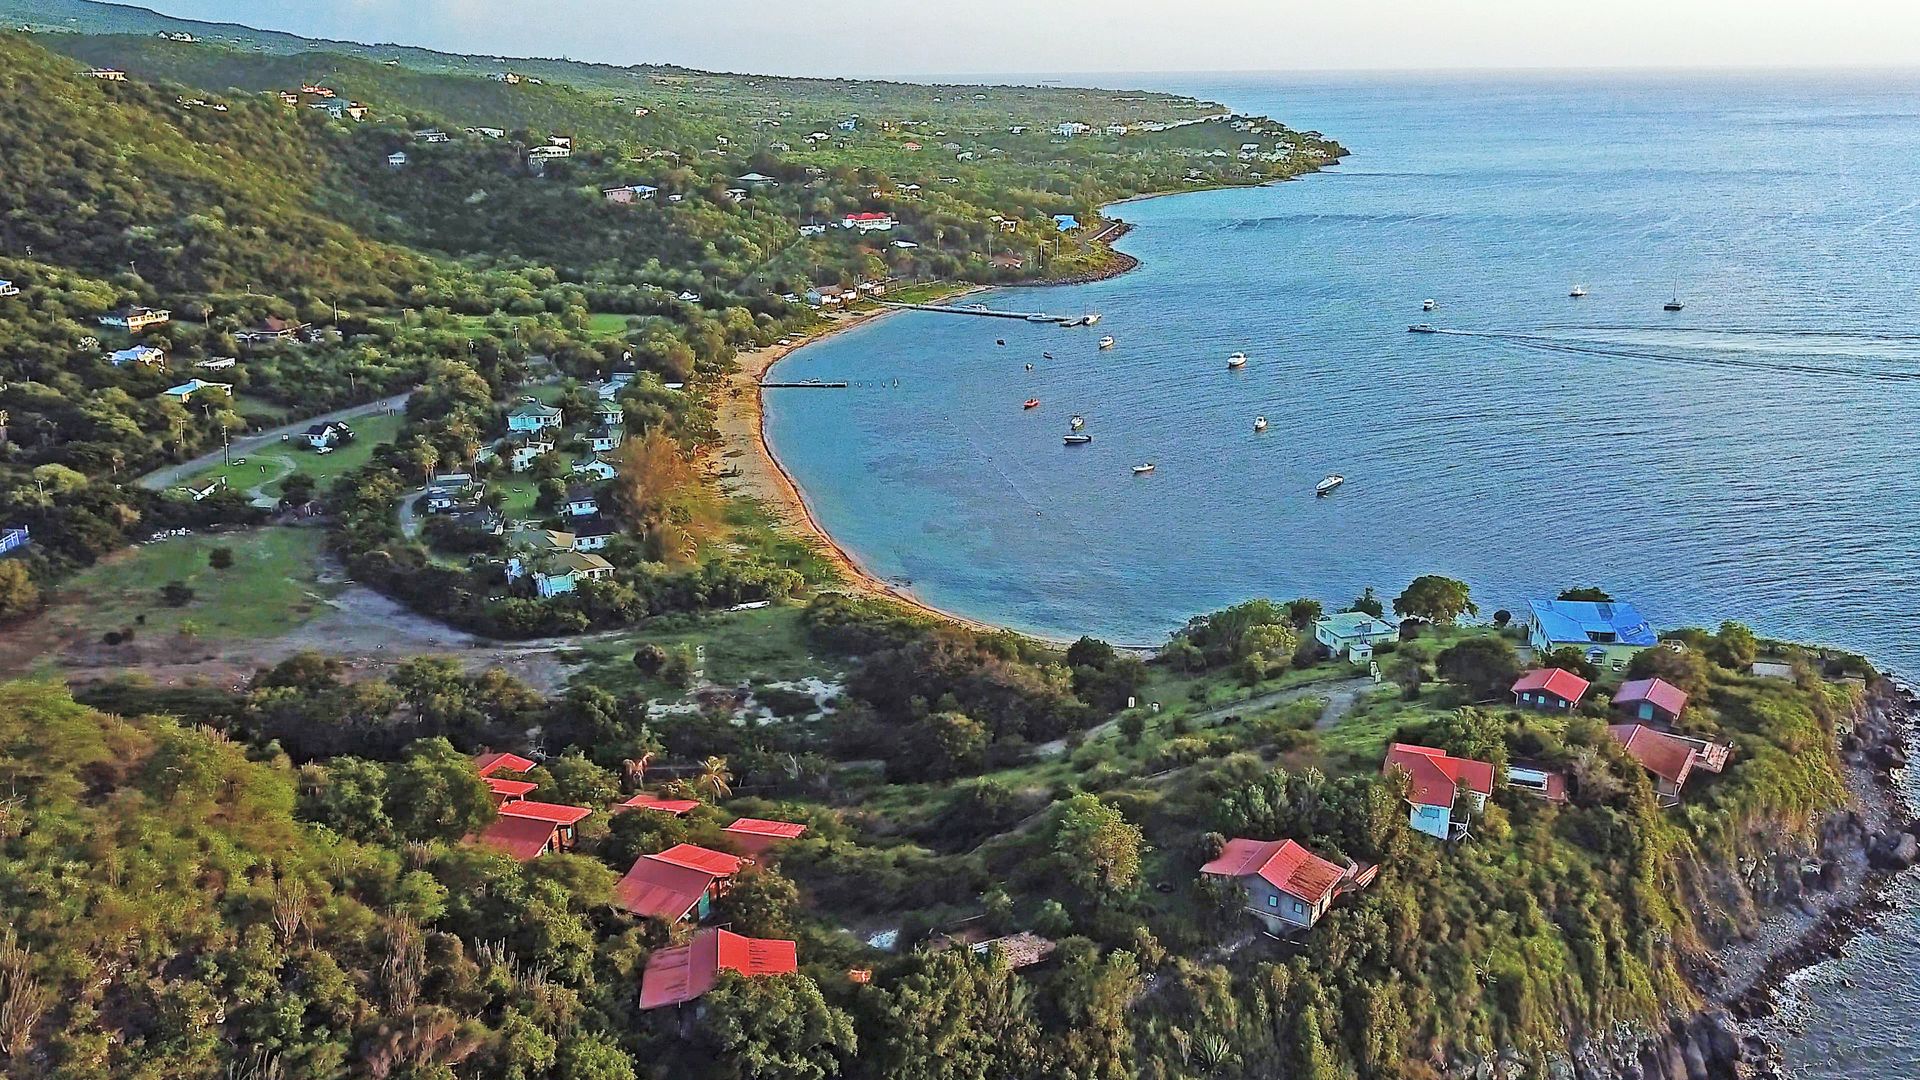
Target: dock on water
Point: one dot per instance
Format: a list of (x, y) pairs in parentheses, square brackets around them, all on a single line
[(811, 384), (992, 313)]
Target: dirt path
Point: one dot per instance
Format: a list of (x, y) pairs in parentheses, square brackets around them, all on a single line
[(160, 479), (1341, 697)]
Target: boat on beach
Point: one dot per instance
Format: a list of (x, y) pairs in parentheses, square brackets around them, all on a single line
[(1142, 470), (1259, 423), (1332, 481), (1422, 328), (1107, 342), (1236, 361), (1076, 439), (1032, 403)]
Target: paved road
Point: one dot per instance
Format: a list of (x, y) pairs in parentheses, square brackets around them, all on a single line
[(171, 475)]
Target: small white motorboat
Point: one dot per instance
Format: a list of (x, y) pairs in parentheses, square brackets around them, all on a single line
[(1428, 305), (1106, 342), (1077, 422), (1332, 481), (1236, 361), (1092, 317), (1076, 439), (1142, 470), (1259, 423), (1422, 328), (1578, 291)]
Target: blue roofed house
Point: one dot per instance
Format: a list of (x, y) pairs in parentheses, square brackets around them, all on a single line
[(532, 416), (1353, 634), (1065, 222), (1607, 634), (8, 288)]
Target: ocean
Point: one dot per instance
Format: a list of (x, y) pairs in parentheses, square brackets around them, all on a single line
[(1747, 457)]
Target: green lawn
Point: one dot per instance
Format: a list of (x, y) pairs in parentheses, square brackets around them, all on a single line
[(767, 645), (271, 465), (607, 324), (271, 586), (520, 491)]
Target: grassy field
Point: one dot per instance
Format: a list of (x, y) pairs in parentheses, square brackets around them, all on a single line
[(761, 646), (607, 324), (269, 466), (271, 585)]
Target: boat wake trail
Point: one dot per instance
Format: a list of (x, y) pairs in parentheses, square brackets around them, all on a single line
[(1541, 343)]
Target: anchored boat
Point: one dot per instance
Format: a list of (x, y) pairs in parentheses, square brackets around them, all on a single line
[(1332, 481), (1236, 361), (1106, 342), (1142, 470), (1032, 403), (1578, 291), (1428, 305), (1422, 328), (1076, 440), (1259, 423)]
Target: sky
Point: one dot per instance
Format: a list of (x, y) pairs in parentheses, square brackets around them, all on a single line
[(914, 38)]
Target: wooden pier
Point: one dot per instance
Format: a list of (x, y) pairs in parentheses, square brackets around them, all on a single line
[(991, 313), (814, 385)]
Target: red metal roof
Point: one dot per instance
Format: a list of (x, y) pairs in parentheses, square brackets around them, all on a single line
[(677, 976), (1281, 863), (1557, 681), (1433, 777), (511, 789), (778, 830), (488, 764), (675, 807), (717, 863), (661, 890), (1658, 692), (521, 837), (544, 811), (1661, 754), (868, 217)]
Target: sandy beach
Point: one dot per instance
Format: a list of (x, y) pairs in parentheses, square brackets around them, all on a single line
[(745, 465)]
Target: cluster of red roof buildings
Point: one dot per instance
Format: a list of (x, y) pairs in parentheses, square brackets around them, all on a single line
[(678, 883)]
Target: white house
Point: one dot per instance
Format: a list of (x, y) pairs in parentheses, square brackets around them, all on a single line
[(185, 391), (324, 436), (581, 501), (868, 222), (105, 74), (397, 159), (603, 439), (532, 416), (565, 570), (431, 135), (593, 533), (525, 451), (548, 152), (1353, 634), (8, 288), (594, 468)]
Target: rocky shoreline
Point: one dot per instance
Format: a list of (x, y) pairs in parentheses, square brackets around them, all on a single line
[(1815, 906)]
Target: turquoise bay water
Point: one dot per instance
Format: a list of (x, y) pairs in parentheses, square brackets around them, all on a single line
[(1749, 457)]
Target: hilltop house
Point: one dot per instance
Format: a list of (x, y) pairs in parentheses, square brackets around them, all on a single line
[(755, 835), (185, 391), (135, 319), (683, 880), (272, 328), (681, 974), (324, 436), (1435, 781), (625, 194), (566, 570), (532, 416), (8, 288), (1549, 690), (868, 222), (549, 152), (1670, 758), (105, 74), (14, 539), (581, 501), (1288, 887), (397, 159), (138, 354), (431, 135), (594, 468), (1065, 222), (1607, 634), (645, 801), (593, 533), (1354, 634), (524, 448), (604, 438), (1650, 699), (526, 829)]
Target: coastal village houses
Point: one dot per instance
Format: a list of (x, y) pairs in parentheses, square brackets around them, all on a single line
[(532, 416), (1436, 784), (1607, 634), (1549, 690), (1287, 887), (682, 974), (136, 319), (1353, 634), (524, 829), (1654, 700), (678, 883), (1672, 759)]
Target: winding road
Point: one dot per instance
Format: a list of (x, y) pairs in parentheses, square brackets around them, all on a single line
[(169, 476)]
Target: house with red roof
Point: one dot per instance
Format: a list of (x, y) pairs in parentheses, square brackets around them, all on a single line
[(868, 222), (644, 801), (679, 882), (506, 791), (488, 764), (1671, 758), (1549, 690), (1655, 700), (755, 835), (1435, 783), (1288, 887), (526, 829), (678, 975)]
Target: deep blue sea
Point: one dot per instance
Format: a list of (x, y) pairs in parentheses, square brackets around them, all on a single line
[(1750, 457)]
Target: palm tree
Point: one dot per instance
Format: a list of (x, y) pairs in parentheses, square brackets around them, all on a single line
[(714, 778)]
